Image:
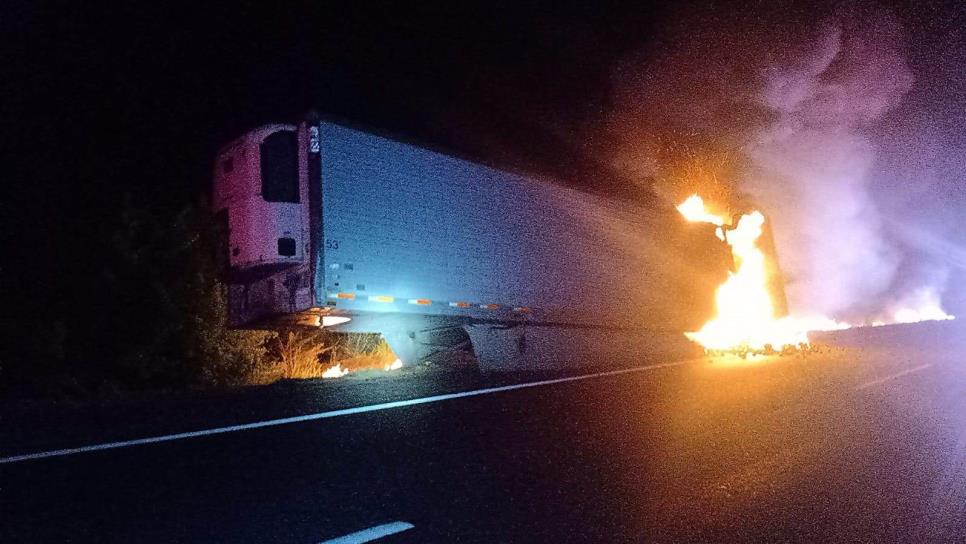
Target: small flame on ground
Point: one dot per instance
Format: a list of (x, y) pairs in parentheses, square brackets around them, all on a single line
[(338, 371), (335, 371)]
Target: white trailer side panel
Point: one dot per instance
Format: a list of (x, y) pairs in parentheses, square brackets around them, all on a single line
[(405, 224)]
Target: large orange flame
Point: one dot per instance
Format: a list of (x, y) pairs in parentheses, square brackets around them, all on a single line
[(745, 317)]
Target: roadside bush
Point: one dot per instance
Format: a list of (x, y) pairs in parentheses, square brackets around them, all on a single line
[(239, 358), (147, 310), (216, 354), (140, 305), (359, 351), (295, 355)]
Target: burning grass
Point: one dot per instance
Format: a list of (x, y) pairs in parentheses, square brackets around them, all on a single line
[(358, 352), (318, 354)]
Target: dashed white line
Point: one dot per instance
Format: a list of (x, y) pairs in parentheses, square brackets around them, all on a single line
[(372, 533), (323, 415), (892, 376)]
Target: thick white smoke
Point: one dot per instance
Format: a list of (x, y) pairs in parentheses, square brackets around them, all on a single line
[(810, 166)]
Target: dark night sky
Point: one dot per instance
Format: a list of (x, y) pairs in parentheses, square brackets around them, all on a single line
[(137, 99), (158, 88)]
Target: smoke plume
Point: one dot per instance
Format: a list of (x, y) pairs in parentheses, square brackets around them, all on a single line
[(810, 167), (813, 111)]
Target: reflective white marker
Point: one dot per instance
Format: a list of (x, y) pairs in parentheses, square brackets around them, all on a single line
[(892, 376), (326, 415), (372, 533)]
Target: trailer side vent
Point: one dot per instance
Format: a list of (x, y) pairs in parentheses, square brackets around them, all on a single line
[(286, 247)]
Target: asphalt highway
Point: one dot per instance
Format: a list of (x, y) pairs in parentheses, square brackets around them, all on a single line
[(864, 441)]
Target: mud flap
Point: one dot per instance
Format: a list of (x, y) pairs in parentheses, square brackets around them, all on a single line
[(416, 338), (541, 348), (406, 346), (497, 347)]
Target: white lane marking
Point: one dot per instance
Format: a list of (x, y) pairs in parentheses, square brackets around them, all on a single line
[(372, 533), (893, 376), (324, 415)]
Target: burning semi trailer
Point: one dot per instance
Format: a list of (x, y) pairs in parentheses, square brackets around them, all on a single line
[(331, 225), (751, 311)]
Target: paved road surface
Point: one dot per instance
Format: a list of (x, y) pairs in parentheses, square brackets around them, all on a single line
[(864, 443)]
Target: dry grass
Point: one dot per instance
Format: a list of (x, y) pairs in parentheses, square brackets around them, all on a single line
[(295, 355), (308, 354), (371, 353)]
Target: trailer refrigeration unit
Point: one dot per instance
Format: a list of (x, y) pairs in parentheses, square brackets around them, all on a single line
[(329, 225)]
